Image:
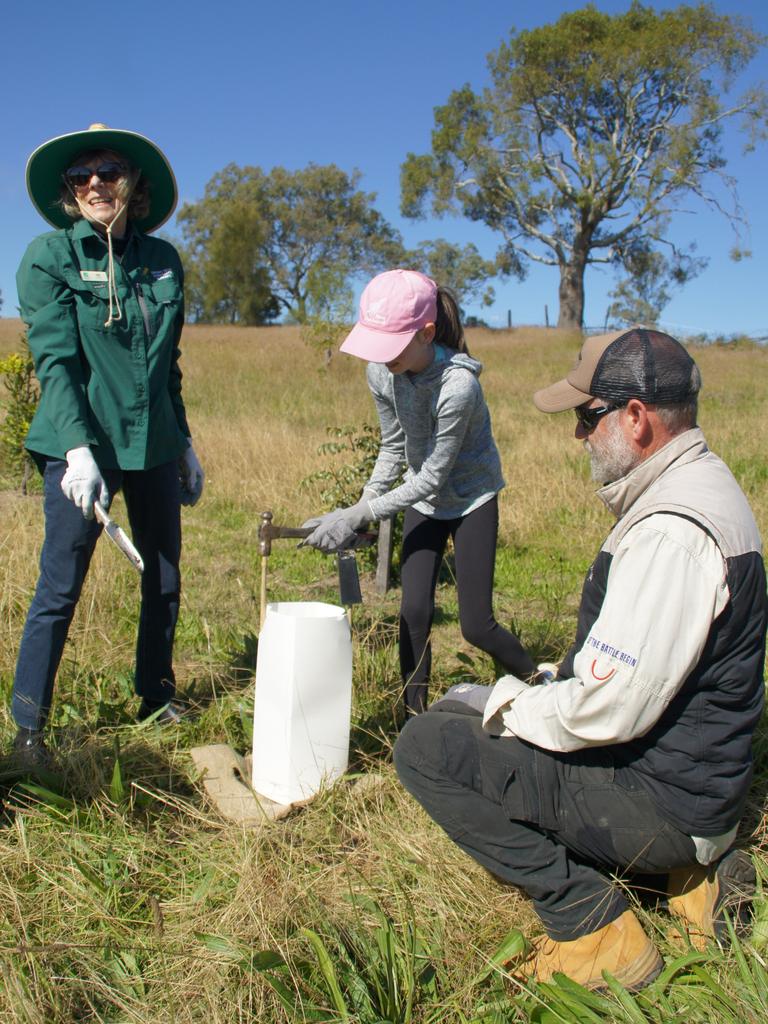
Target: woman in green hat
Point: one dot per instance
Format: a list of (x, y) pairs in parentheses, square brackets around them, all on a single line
[(104, 304)]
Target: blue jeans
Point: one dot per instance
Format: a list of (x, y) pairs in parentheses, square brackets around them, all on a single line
[(152, 501)]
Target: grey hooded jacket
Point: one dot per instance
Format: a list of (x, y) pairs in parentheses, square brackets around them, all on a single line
[(436, 425)]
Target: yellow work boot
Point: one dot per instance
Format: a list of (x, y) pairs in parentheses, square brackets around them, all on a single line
[(702, 896), (622, 948)]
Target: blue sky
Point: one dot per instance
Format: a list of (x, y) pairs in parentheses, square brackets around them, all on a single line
[(350, 82)]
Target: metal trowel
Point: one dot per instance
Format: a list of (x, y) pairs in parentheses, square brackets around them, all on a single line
[(119, 537), (349, 580)]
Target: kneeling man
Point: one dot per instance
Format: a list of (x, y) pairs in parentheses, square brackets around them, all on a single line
[(637, 755)]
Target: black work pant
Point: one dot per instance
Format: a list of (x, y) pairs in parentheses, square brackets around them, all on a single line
[(548, 823), (474, 543)]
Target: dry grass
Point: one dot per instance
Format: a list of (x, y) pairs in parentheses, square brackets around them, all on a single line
[(107, 900)]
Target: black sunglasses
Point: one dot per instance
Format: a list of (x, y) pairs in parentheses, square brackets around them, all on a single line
[(79, 177), (589, 418)]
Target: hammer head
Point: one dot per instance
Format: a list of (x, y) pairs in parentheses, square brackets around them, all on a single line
[(265, 534), (269, 532)]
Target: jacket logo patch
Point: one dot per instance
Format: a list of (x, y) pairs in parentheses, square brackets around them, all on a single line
[(162, 275), (601, 679), (615, 653), (93, 275)]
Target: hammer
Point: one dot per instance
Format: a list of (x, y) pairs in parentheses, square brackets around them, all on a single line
[(349, 581)]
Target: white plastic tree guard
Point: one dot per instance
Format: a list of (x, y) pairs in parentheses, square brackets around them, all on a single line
[(303, 700)]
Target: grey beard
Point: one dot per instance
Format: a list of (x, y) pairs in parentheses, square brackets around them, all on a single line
[(613, 458)]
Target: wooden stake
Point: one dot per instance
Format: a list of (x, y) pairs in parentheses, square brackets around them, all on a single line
[(263, 592)]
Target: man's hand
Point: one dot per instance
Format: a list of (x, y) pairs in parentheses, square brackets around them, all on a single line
[(337, 530), (83, 482), (546, 672), (191, 477)]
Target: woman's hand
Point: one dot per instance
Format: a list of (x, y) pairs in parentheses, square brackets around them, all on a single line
[(191, 476), (83, 482)]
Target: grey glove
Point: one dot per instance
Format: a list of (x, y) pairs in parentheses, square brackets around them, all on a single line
[(464, 696), (315, 521), (337, 530), (191, 477)]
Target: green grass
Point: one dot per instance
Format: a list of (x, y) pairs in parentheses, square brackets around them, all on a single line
[(124, 898)]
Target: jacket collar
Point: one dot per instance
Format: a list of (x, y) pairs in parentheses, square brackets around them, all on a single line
[(82, 228), (620, 495)]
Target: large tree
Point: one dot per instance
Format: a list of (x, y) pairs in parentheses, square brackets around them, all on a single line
[(593, 132), (226, 280), (460, 268), (302, 231)]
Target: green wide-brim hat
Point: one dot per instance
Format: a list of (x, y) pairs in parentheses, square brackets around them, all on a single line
[(49, 161)]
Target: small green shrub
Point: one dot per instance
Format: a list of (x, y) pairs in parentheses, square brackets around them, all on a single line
[(331, 312), (341, 482), (18, 373)]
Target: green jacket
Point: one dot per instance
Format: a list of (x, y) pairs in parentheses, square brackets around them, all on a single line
[(117, 388)]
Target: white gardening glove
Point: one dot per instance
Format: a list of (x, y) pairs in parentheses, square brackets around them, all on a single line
[(191, 476), (83, 482), (338, 529)]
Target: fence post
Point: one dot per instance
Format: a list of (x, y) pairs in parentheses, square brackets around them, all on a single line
[(546, 315), (384, 555)]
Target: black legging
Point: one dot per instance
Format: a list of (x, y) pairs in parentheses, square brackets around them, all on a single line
[(474, 542)]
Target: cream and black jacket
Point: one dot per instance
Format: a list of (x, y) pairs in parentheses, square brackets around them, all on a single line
[(667, 668)]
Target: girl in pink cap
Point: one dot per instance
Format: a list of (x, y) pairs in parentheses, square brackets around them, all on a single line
[(435, 422)]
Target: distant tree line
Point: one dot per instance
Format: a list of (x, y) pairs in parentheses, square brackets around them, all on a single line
[(592, 133), (286, 244)]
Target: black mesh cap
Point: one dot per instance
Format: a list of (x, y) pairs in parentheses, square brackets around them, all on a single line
[(648, 365), (634, 363)]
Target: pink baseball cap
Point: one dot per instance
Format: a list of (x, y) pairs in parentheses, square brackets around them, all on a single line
[(393, 307)]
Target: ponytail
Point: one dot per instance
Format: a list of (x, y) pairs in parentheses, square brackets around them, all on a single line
[(448, 328)]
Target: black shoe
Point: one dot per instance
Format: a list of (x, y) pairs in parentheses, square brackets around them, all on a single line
[(171, 713), (29, 752)]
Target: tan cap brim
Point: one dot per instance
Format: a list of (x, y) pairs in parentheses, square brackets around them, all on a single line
[(559, 397), (574, 389)]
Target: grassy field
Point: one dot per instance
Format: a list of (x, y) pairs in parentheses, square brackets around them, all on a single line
[(124, 898)]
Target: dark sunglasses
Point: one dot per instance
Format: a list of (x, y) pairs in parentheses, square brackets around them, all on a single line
[(79, 177), (589, 418)]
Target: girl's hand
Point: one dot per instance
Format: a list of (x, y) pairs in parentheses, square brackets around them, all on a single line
[(316, 520), (337, 530)]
